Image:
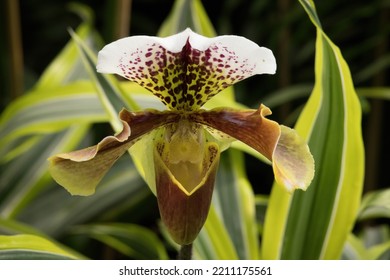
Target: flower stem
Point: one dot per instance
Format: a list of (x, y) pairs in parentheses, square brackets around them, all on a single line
[(185, 252)]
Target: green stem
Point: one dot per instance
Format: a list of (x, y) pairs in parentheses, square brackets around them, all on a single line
[(185, 252)]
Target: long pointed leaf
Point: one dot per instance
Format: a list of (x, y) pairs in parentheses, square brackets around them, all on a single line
[(315, 224)]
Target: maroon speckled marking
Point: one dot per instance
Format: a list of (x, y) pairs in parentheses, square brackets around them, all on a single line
[(184, 80)]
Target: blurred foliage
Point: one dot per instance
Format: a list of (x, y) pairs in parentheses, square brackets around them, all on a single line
[(34, 64)]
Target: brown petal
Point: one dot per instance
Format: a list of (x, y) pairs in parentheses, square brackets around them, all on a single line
[(80, 171), (292, 161), (184, 212), (249, 126)]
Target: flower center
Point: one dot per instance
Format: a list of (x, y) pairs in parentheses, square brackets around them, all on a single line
[(186, 152), (186, 142)]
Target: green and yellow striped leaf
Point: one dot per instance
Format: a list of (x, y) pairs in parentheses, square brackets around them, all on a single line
[(25, 176), (315, 224), (32, 247), (53, 117), (42, 112)]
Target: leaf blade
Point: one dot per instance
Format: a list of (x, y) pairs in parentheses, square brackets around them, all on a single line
[(27, 246), (316, 224), (129, 239), (375, 205)]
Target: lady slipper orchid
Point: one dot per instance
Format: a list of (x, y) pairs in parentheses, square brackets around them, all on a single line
[(184, 71)]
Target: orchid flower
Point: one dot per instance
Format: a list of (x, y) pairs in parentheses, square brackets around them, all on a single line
[(184, 71)]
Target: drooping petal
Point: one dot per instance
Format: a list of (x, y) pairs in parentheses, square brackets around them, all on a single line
[(292, 161), (79, 172), (186, 69), (184, 192), (248, 126)]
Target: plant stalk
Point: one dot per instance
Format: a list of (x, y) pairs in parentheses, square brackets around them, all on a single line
[(16, 48), (185, 252)]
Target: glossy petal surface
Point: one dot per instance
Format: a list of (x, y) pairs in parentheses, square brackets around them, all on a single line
[(186, 69)]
